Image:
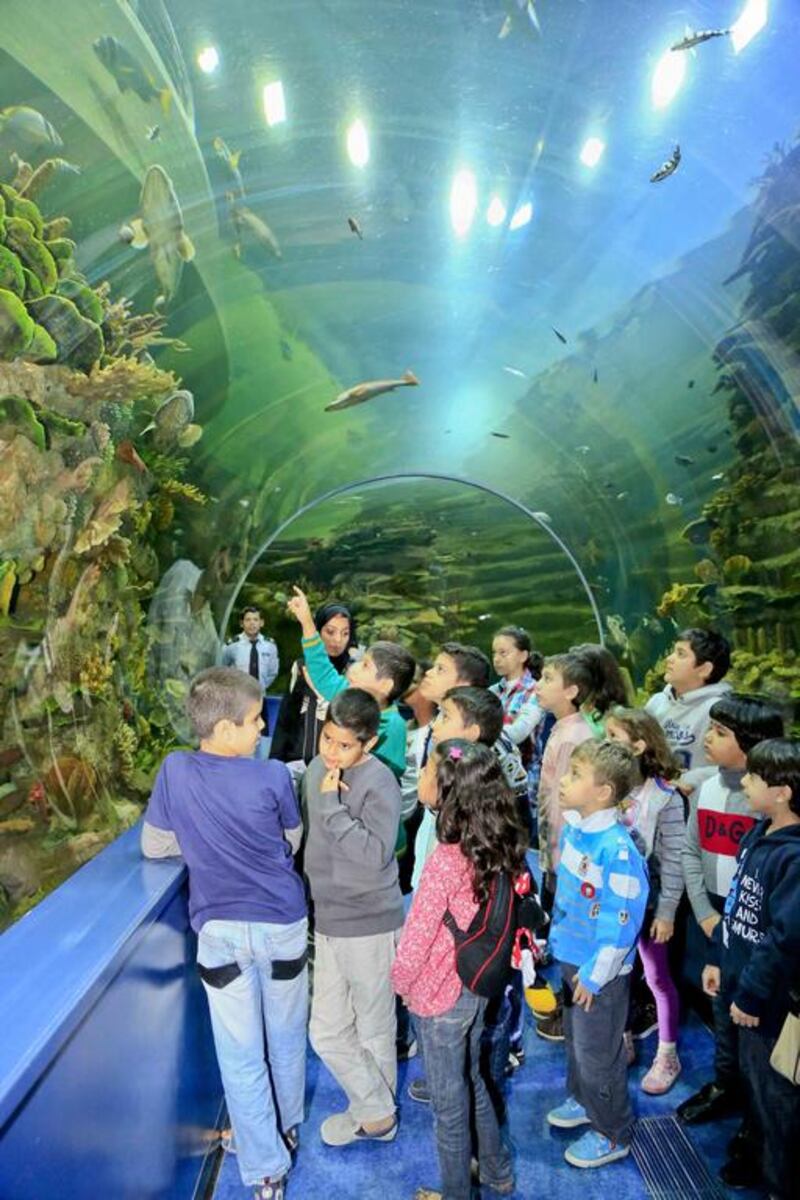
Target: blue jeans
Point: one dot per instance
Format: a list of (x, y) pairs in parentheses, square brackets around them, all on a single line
[(451, 1048), (266, 1001)]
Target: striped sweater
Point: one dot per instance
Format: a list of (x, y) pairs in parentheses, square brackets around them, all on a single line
[(719, 818), (655, 812), (601, 895)]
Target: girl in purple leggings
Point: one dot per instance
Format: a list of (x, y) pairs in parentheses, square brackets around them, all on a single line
[(654, 811)]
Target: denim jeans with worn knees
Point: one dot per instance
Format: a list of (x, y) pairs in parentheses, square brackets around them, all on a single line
[(451, 1046), (256, 981)]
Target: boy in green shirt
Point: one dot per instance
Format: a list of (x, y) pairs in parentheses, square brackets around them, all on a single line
[(385, 671)]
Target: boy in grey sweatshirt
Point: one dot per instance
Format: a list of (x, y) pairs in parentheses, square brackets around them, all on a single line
[(353, 814), (719, 818), (693, 675)]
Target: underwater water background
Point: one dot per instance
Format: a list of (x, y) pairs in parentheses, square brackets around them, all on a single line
[(339, 192)]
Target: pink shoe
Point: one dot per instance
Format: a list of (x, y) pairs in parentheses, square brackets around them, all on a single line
[(659, 1079), (630, 1049)]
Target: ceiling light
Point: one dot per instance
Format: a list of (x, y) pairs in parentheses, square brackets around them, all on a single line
[(463, 201), (592, 151), (751, 22), (496, 212), (274, 103), (521, 216), (208, 59), (358, 143), (668, 78)]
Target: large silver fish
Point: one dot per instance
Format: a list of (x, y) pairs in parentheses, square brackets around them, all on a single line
[(160, 228), (245, 221), (21, 124), (368, 391), (699, 35), (667, 168)]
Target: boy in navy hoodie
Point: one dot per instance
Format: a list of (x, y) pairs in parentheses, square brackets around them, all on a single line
[(759, 945)]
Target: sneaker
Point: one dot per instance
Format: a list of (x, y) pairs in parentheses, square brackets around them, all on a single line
[(742, 1172), (541, 999), (592, 1149), (644, 1021), (418, 1090), (568, 1115), (406, 1050), (552, 1028), (341, 1130), (516, 1057), (659, 1079), (630, 1049), (269, 1189)]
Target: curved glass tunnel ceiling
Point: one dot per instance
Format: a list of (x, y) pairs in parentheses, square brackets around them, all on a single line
[(565, 349)]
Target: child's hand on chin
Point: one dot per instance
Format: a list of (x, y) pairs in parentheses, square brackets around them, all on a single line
[(333, 781)]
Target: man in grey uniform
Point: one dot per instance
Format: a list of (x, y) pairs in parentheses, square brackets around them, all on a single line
[(256, 655)]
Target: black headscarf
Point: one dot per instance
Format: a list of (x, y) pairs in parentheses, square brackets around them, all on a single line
[(321, 618)]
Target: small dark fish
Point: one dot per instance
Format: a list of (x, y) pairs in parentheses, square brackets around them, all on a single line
[(699, 35), (154, 133), (610, 487), (594, 375), (683, 460), (355, 228), (690, 384), (712, 448), (286, 350), (128, 73), (500, 435), (560, 336), (667, 168)]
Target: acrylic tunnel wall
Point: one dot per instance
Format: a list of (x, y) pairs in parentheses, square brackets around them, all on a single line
[(578, 233)]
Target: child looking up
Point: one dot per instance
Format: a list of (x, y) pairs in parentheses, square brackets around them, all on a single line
[(760, 952), (599, 909), (479, 836), (511, 655), (719, 818), (693, 676), (353, 810), (385, 672), (654, 809), (235, 821)]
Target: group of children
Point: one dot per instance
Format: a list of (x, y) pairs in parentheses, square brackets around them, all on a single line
[(560, 760)]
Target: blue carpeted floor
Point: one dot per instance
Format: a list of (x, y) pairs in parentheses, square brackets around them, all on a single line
[(394, 1170)]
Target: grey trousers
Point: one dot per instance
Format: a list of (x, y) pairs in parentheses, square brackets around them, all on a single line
[(597, 1066), (353, 1022)]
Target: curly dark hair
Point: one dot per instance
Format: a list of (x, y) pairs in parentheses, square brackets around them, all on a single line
[(477, 810)]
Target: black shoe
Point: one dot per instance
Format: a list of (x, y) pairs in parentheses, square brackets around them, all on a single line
[(741, 1173), (744, 1143), (710, 1103), (644, 1021)]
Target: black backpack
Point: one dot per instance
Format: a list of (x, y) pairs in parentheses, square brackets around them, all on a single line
[(504, 921)]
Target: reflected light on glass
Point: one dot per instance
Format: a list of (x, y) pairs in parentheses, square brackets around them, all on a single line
[(463, 201), (496, 212), (668, 78), (592, 151), (274, 103), (751, 22), (208, 59), (358, 143), (522, 216)]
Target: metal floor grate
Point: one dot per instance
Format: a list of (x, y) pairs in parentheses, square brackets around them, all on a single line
[(670, 1165)]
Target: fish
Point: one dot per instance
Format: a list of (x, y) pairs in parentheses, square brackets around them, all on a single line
[(153, 133), (515, 371), (719, 475), (126, 452), (286, 350), (368, 391), (500, 435), (582, 449), (560, 336), (712, 448), (22, 124), (610, 487), (172, 417), (683, 460), (594, 375), (160, 228), (696, 37), (622, 495), (690, 384), (667, 168), (485, 616), (231, 160), (355, 228), (543, 516), (189, 436), (129, 74), (246, 221), (672, 499)]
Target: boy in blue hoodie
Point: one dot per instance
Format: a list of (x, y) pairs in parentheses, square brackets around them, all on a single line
[(601, 893), (759, 947)]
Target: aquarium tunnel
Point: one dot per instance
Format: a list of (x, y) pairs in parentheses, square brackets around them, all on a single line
[(460, 313)]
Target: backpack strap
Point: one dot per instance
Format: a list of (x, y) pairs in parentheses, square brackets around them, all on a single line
[(450, 923)]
